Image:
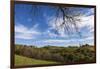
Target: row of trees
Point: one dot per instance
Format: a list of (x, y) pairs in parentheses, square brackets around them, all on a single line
[(59, 54)]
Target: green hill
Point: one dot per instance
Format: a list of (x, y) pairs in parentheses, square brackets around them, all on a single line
[(20, 60)]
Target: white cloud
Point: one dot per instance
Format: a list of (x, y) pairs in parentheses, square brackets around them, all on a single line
[(89, 38), (68, 40), (24, 36), (22, 32), (88, 21), (50, 34), (20, 28), (56, 41), (85, 21), (54, 24), (53, 42), (63, 42)]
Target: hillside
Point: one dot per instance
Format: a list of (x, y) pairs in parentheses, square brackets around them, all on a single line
[(53, 54), (20, 60)]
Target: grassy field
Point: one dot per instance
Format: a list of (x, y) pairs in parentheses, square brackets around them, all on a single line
[(20, 60)]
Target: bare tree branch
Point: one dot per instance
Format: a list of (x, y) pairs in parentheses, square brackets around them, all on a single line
[(70, 19)]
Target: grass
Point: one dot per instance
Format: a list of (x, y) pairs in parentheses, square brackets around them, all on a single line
[(21, 61)]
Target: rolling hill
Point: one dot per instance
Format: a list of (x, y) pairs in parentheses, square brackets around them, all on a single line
[(20, 60)]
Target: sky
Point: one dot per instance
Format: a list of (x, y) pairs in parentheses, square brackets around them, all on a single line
[(36, 26)]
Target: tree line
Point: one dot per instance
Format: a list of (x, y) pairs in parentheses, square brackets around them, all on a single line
[(70, 54)]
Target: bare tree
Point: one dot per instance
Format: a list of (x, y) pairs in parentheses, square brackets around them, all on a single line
[(69, 15), (70, 20)]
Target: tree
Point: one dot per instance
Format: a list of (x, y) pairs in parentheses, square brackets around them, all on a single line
[(70, 16), (63, 55)]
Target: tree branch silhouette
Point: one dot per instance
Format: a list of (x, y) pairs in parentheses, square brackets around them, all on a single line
[(70, 18)]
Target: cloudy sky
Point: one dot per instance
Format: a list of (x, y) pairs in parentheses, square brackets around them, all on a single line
[(39, 29)]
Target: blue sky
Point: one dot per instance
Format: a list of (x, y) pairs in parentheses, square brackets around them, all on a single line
[(39, 29)]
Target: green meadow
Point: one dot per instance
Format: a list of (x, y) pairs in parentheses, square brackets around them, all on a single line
[(20, 61), (33, 55)]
